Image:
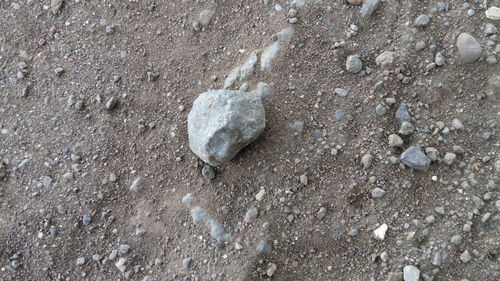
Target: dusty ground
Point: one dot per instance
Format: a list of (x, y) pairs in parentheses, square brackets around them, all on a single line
[(58, 156)]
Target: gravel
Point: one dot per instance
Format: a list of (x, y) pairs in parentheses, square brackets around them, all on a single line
[(380, 232), (468, 48), (449, 158), (366, 160), (422, 20), (395, 140), (402, 113), (378, 192), (411, 273), (406, 128)]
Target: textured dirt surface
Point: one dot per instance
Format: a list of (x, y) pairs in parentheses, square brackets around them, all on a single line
[(58, 156)]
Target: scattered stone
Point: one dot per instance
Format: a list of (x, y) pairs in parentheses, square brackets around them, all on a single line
[(456, 239), (152, 76), (395, 140), (355, 2), (457, 124), (260, 195), (366, 160), (432, 153), (268, 55), (368, 8), (79, 105), (378, 192), (380, 110), (251, 214), (422, 21), (354, 64), (188, 200), (353, 232), (137, 185), (233, 75), (468, 48), (490, 29), (80, 261), (385, 59), (493, 13), (303, 179), (406, 128), (411, 273), (112, 256), (123, 249), (247, 68), (59, 71), (380, 232), (206, 17), (186, 263), (436, 259), (111, 103), (109, 29), (263, 90), (208, 172), (96, 258), (439, 60), (449, 158), (86, 219), (321, 213), (414, 158), (465, 257), (222, 122), (340, 92), (263, 247), (402, 113), (430, 219), (271, 270), (121, 265), (55, 5)]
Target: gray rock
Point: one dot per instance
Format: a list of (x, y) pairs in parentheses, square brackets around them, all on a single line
[(411, 273), (112, 103), (86, 219), (353, 232), (402, 113), (263, 90), (188, 200), (380, 110), (456, 239), (395, 140), (340, 92), (414, 158), (123, 249), (96, 257), (468, 48), (385, 59), (394, 160), (80, 261), (206, 17), (366, 160), (339, 114), (199, 215), (378, 192), (369, 6), (449, 158), (457, 124), (422, 20), (186, 263), (268, 55), (112, 256), (353, 64), (439, 59), (55, 5), (465, 257), (248, 67), (208, 172), (233, 75), (251, 214), (263, 247), (406, 128), (432, 153), (222, 122), (490, 29), (136, 185), (436, 259)]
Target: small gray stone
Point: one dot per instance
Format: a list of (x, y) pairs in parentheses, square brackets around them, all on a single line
[(112, 103), (432, 153), (340, 92), (188, 200), (402, 113), (456, 239), (208, 172), (268, 55), (206, 17), (112, 256), (366, 160), (251, 214), (411, 273), (354, 64), (449, 158), (123, 249), (468, 48), (80, 261), (353, 232), (414, 158), (406, 128), (339, 114), (422, 20), (186, 263), (395, 140), (439, 60), (457, 124), (381, 110), (378, 192), (368, 8), (110, 29), (137, 185), (436, 259), (465, 257), (96, 257), (86, 219), (263, 247), (394, 160), (490, 29)]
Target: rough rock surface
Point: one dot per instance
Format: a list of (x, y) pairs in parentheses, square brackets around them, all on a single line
[(222, 122), (415, 158)]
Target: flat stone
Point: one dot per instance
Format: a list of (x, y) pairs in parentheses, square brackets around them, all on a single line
[(395, 140), (493, 13), (380, 232), (368, 8), (353, 64)]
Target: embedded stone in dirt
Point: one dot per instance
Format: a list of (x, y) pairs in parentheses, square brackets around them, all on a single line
[(468, 48), (222, 122), (411, 273), (415, 158), (493, 13), (354, 64)]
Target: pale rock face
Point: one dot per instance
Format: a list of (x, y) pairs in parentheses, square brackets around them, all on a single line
[(222, 122)]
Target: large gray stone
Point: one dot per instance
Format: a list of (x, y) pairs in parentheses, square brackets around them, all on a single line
[(222, 122), (468, 48), (415, 158)]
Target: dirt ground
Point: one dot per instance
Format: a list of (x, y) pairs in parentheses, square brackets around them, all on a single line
[(68, 161)]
